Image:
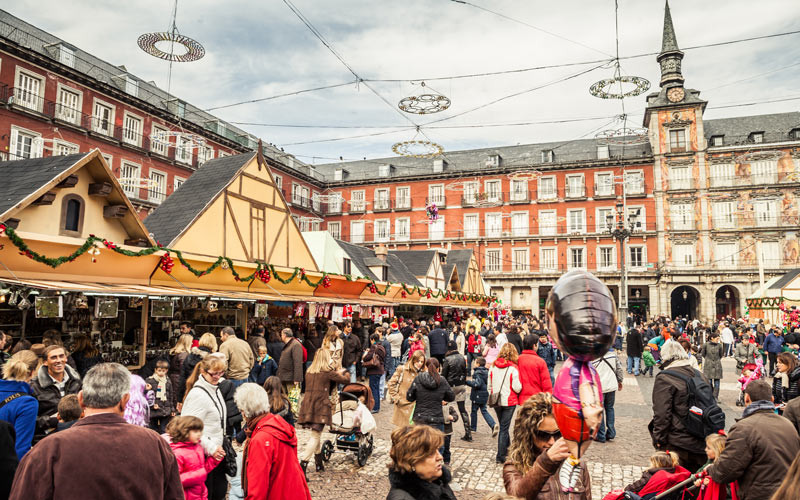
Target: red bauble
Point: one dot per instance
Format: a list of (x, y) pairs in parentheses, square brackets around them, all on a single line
[(167, 263), (263, 275), (326, 281), (109, 244), (403, 293)]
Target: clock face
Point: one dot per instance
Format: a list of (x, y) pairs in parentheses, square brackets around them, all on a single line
[(675, 94)]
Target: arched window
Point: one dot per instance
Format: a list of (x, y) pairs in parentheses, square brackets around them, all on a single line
[(72, 208)]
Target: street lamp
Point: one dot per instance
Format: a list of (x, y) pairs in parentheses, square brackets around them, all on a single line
[(622, 230)]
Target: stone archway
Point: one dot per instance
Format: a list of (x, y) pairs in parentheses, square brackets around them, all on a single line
[(684, 301), (726, 302)]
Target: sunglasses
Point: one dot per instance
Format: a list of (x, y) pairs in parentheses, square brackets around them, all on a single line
[(546, 436)]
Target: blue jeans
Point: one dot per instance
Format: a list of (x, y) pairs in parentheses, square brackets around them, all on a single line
[(486, 416), (382, 385), (236, 383), (633, 365), (607, 430), (552, 377), (504, 415), (375, 387), (352, 370)]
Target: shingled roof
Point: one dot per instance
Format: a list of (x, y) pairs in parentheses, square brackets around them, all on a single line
[(461, 259), (776, 127), (417, 261), (785, 279), (183, 206), (363, 257), (22, 178)]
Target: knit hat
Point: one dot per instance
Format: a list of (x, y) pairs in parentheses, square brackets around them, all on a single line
[(394, 325)]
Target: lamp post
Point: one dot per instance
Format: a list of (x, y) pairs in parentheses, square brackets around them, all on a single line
[(622, 230)]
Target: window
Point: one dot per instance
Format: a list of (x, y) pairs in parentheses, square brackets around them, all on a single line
[(357, 203), (206, 153), (494, 225), (347, 266), (771, 253), (547, 188), (634, 182), (604, 184), (636, 218), (278, 181), (575, 187), (471, 190), (682, 215), (159, 142), (335, 229), (605, 259), (471, 226), (403, 197), (132, 130), (677, 141), (764, 171), (602, 152), (683, 255), (519, 259), (63, 148), (357, 232), (436, 229), (300, 195), (722, 212), (66, 56), (25, 144), (636, 257), (725, 256), (68, 108), (382, 230), (131, 86), (577, 258), (680, 178), (315, 201), (382, 199), (402, 229), (766, 212), (519, 190), (519, 224), (335, 203), (547, 223), (605, 220), (757, 137), (717, 140), (109, 159), (547, 260), (577, 221), (494, 263), (493, 192), (548, 156), (72, 210), (438, 166), (129, 179), (384, 273), (158, 186), (177, 182), (102, 118), (384, 170), (29, 90), (183, 151), (722, 174), (436, 194)]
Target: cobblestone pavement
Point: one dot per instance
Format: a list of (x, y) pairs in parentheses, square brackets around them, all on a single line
[(612, 464)]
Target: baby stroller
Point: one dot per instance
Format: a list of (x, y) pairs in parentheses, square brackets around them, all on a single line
[(678, 485), (349, 435)]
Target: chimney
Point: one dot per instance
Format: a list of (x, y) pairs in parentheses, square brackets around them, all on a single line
[(381, 252)]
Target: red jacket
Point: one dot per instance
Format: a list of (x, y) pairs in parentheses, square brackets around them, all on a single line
[(271, 469), (474, 343), (533, 374), (194, 466)]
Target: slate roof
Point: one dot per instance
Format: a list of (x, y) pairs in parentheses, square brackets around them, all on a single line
[(785, 279), (776, 127), (417, 261), (363, 257), (181, 208), (461, 259), (20, 178), (447, 270)]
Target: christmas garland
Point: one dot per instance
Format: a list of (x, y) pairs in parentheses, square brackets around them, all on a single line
[(764, 302), (264, 272)]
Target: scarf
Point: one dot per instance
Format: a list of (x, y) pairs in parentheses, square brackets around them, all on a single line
[(758, 406), (252, 423), (161, 391)]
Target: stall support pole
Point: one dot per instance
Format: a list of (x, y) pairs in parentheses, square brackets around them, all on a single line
[(145, 317)]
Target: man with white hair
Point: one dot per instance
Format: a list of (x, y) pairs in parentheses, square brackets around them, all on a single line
[(271, 469), (101, 456)]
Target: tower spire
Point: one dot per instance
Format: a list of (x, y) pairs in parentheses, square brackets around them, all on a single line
[(669, 41), (670, 56)]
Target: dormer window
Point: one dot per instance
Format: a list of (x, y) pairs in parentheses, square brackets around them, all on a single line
[(340, 174), (602, 152), (66, 56), (795, 134), (717, 140), (385, 170), (439, 166), (757, 137), (131, 86), (548, 156), (493, 161)]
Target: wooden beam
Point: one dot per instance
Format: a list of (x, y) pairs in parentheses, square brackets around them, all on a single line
[(46, 199), (256, 202), (68, 182), (258, 179), (100, 189), (115, 211), (236, 227)]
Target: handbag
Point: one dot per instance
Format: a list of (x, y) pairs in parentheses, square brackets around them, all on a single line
[(373, 362), (228, 463), (294, 398), (494, 398)]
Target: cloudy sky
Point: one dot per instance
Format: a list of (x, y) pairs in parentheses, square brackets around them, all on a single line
[(261, 49)]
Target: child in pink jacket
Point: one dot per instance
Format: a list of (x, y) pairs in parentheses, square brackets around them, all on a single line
[(183, 434)]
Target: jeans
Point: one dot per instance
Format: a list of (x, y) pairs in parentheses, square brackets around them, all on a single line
[(504, 415), (486, 416), (470, 358), (396, 361), (633, 365), (648, 369), (236, 383), (607, 430), (375, 387), (552, 377), (773, 359), (727, 349), (715, 386), (382, 385), (352, 370), (236, 492)]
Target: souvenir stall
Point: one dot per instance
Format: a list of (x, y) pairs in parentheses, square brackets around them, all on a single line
[(778, 301)]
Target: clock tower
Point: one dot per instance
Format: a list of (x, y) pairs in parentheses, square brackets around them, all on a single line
[(671, 56)]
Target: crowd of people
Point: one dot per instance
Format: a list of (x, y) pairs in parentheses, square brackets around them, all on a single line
[(217, 418)]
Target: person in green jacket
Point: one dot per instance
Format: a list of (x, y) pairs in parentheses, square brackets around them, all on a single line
[(649, 361)]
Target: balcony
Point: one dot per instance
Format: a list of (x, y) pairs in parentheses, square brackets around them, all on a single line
[(301, 202), (680, 185), (26, 100), (382, 205), (519, 197), (439, 201), (575, 193), (401, 204), (604, 191), (331, 208), (357, 207), (547, 195)]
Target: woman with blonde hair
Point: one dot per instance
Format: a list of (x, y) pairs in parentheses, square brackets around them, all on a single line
[(20, 411), (397, 388), (504, 380), (417, 470), (205, 401), (334, 344), (206, 346), (315, 410)]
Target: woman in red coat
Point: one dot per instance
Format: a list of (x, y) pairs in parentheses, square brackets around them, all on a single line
[(270, 469), (533, 372)]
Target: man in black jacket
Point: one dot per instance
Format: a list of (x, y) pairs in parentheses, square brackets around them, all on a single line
[(454, 371), (351, 352), (633, 348), (54, 380), (438, 342)]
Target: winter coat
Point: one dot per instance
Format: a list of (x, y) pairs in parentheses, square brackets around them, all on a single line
[(547, 353), (274, 350), (240, 358), (504, 378), (270, 470), (712, 360), (256, 341), (396, 340), (194, 466), (84, 363), (490, 353), (165, 408), (745, 352), (290, 366), (540, 482), (647, 475), (176, 377), (670, 407), (8, 458), (479, 383), (397, 389), (792, 413), (195, 356), (409, 486), (352, 349), (429, 396), (784, 394), (415, 346), (648, 359), (757, 454), (438, 342), (454, 369), (516, 340), (20, 412), (461, 343), (474, 343), (634, 343), (263, 369), (206, 402), (609, 369), (315, 408), (233, 417), (49, 396), (376, 350), (130, 463), (773, 343), (533, 374)]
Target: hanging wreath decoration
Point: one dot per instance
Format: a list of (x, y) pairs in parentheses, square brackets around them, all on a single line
[(194, 50), (417, 149), (624, 136), (526, 174), (602, 89), (424, 104)]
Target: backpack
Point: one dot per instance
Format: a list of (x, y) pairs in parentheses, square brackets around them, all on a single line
[(705, 416)]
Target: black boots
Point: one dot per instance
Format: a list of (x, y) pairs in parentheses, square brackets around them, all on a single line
[(319, 462), (304, 465)]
